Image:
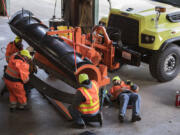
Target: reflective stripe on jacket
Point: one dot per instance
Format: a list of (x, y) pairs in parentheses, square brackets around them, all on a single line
[(91, 105), (10, 50), (18, 68)]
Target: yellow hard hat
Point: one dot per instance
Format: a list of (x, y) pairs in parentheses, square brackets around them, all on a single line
[(17, 39), (83, 77), (25, 53), (116, 78)]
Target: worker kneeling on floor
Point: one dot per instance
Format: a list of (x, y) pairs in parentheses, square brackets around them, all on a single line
[(86, 101), (126, 94), (15, 76)]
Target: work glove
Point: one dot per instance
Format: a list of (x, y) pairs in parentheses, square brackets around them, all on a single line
[(33, 67)]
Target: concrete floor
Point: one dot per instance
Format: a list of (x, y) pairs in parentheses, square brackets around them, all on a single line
[(159, 115)]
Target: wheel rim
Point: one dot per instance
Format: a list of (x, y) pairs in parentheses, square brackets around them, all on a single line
[(170, 64)]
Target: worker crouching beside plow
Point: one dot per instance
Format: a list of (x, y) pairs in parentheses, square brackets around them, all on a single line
[(15, 76), (126, 94), (86, 101)]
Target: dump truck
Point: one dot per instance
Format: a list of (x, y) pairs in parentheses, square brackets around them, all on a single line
[(147, 32)]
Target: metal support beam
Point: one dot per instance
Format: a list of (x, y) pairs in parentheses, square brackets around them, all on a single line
[(96, 12)]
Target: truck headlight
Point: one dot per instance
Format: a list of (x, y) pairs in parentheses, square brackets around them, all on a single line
[(147, 38)]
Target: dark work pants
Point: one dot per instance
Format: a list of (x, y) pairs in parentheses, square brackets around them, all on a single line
[(78, 116)]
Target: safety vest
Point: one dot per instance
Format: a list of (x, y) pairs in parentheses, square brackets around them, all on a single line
[(15, 72), (116, 90), (91, 105), (10, 50)]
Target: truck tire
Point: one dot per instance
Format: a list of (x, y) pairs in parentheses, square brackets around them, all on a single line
[(165, 65)]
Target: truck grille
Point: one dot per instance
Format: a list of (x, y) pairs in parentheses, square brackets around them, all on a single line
[(129, 28)]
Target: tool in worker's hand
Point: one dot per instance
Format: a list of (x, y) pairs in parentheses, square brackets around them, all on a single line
[(104, 96), (177, 99)]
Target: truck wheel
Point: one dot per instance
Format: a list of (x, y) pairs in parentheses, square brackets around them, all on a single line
[(165, 65)]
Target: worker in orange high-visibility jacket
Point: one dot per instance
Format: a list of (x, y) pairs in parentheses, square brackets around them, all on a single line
[(86, 101), (126, 93), (13, 47), (15, 76)]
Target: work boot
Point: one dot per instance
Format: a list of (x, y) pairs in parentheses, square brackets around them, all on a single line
[(121, 118), (135, 118), (81, 126), (12, 107), (24, 107)]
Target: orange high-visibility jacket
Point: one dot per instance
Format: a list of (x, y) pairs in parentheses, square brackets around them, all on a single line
[(10, 50), (91, 105), (117, 89), (18, 68)]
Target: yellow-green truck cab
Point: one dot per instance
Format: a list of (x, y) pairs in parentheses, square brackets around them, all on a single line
[(148, 33)]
